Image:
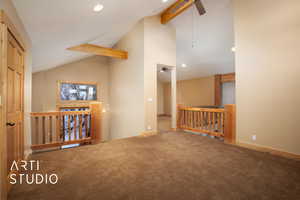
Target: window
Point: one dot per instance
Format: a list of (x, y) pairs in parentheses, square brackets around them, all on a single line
[(77, 91)]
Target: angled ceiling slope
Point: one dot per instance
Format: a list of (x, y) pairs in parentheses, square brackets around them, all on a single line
[(55, 25)]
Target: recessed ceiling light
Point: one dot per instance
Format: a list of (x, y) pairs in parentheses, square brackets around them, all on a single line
[(183, 65), (98, 7), (233, 49), (164, 1)]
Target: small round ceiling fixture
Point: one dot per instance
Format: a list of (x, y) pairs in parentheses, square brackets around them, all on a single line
[(164, 1), (184, 65), (233, 49), (162, 70), (98, 7)]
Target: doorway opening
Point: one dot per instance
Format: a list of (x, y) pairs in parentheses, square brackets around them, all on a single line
[(166, 98)]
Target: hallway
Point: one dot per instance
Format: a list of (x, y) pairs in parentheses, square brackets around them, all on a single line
[(164, 123)]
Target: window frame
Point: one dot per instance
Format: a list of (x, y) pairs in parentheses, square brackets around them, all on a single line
[(58, 90)]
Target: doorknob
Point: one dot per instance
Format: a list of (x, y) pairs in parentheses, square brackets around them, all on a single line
[(10, 124)]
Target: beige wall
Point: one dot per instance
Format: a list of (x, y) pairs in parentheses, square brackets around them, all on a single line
[(160, 48), (160, 98), (127, 86), (267, 37), (94, 69), (133, 81), (193, 92), (9, 9)]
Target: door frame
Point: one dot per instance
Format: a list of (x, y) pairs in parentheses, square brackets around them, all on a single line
[(219, 80), (6, 26)]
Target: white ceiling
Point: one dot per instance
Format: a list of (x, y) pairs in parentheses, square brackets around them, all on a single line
[(55, 25), (213, 38)]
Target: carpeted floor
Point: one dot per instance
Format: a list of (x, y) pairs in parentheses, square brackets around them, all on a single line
[(170, 166)]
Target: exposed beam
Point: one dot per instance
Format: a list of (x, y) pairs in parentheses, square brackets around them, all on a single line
[(175, 9), (101, 51)]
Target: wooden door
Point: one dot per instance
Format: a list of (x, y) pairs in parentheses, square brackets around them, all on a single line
[(15, 105)]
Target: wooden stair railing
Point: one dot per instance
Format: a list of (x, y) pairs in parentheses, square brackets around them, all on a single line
[(56, 129), (212, 121)]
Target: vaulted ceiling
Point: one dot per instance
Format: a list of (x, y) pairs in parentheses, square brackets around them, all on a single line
[(203, 42)]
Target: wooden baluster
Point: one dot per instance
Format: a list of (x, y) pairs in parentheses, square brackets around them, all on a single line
[(185, 118), (80, 126), (50, 129), (219, 122), (204, 120), (63, 127), (209, 121), (214, 122), (222, 123), (196, 119), (75, 127), (87, 134), (69, 127), (190, 121), (201, 120), (44, 129), (181, 118), (58, 125), (37, 129)]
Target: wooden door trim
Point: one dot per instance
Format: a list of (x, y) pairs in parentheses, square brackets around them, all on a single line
[(4, 19), (219, 80), (7, 27), (3, 91)]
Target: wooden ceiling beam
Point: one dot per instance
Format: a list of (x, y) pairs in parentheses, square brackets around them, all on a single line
[(175, 9), (100, 51)]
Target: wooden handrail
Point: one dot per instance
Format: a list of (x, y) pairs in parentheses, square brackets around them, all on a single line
[(217, 122), (55, 129), (219, 110), (57, 113)]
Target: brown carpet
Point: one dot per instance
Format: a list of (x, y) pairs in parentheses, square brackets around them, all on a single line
[(171, 166)]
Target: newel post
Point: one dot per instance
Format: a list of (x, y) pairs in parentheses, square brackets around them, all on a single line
[(96, 120), (230, 123)]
